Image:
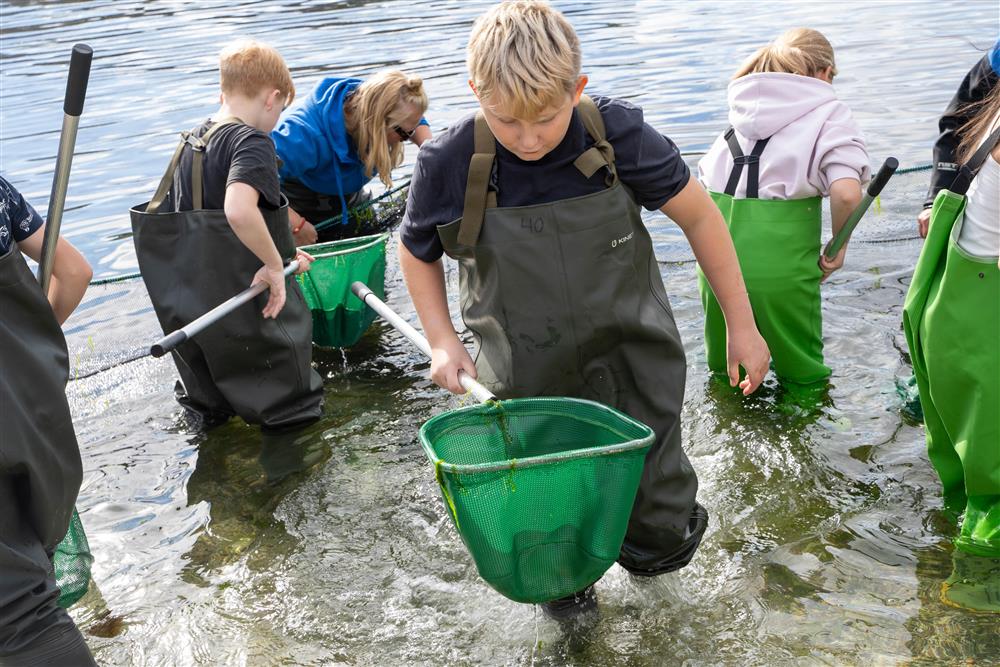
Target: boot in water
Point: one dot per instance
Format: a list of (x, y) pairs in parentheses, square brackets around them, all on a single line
[(571, 606)]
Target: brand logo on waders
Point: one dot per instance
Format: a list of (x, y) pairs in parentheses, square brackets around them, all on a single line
[(625, 239)]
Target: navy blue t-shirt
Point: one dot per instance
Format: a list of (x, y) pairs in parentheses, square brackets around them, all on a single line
[(18, 220), (647, 162)]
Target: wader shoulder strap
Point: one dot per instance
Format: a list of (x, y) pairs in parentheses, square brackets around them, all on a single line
[(967, 172), (739, 159), (477, 188), (198, 145), (601, 154)]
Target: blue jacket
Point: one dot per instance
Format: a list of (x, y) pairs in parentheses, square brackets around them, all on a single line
[(313, 143)]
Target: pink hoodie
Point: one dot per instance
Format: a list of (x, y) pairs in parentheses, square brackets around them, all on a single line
[(814, 139)]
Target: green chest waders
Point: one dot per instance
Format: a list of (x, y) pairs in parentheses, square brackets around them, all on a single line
[(40, 468), (191, 261), (566, 299), (951, 319), (778, 243)]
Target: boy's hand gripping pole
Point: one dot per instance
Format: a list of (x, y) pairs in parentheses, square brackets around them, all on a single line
[(874, 188), (173, 339), (76, 91), (402, 326)]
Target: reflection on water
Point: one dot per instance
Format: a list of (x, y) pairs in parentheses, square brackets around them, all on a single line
[(827, 542)]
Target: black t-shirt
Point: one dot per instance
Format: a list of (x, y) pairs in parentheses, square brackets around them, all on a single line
[(647, 162), (18, 219), (237, 153)]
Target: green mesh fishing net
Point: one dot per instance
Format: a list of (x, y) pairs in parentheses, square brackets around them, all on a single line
[(540, 489), (339, 320), (71, 562)]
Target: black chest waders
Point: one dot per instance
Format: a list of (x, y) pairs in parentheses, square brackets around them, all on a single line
[(952, 323), (191, 261), (40, 470), (777, 242), (566, 299)]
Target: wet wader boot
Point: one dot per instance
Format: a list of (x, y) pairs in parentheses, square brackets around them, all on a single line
[(777, 242), (191, 261), (40, 474), (566, 299), (952, 323)]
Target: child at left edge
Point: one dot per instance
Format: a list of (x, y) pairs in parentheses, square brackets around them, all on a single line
[(573, 303)]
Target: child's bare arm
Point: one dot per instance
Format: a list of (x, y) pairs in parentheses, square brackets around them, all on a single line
[(698, 216), (248, 224), (425, 282), (845, 195), (70, 273)]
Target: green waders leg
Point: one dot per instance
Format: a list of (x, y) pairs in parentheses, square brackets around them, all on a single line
[(778, 244), (952, 325)]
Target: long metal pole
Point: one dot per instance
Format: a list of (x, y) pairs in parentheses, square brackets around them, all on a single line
[(874, 188), (175, 338), (76, 92), (402, 326)]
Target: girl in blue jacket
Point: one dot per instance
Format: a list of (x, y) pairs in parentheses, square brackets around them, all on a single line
[(345, 133)]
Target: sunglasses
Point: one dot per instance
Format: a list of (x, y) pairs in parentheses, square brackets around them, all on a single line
[(404, 135)]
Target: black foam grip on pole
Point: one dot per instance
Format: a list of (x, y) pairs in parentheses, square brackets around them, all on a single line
[(882, 177), (360, 290), (167, 343), (79, 75)]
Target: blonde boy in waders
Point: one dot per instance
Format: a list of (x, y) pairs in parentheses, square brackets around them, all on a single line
[(537, 196), (791, 142), (40, 467), (217, 216)]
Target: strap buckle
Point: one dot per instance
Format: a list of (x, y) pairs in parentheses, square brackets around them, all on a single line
[(194, 142), (746, 159)]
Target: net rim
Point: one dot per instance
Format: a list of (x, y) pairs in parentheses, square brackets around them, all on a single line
[(634, 443), (375, 240)]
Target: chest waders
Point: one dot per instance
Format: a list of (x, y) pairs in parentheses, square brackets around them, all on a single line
[(566, 299), (952, 323), (40, 469), (778, 243), (191, 261)]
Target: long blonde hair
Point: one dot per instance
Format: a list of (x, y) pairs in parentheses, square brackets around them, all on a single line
[(382, 101), (801, 51), (984, 120)]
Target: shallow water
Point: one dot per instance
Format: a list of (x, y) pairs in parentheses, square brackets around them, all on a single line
[(827, 542)]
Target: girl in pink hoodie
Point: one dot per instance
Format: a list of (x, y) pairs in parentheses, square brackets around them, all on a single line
[(791, 143)]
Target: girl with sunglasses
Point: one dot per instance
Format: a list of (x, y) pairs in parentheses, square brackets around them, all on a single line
[(345, 133)]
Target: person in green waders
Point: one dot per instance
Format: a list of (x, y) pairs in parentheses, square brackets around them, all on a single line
[(538, 198), (217, 224), (790, 143), (951, 319), (40, 467)]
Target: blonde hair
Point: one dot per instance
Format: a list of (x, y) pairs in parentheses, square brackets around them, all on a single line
[(523, 56), (382, 101), (802, 51), (247, 67), (985, 118)]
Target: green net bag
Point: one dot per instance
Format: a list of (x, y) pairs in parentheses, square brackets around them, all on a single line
[(540, 489), (71, 562), (340, 321)]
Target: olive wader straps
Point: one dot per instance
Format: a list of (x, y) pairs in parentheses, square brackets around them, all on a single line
[(479, 197), (198, 145), (739, 159), (967, 172)]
